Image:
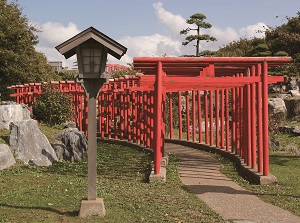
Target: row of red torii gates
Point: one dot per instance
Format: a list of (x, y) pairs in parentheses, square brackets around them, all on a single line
[(217, 101)]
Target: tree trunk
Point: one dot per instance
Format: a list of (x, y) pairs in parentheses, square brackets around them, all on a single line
[(198, 42)]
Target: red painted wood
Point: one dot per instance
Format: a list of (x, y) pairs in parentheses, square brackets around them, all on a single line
[(193, 116), (265, 119), (199, 116), (222, 121), (206, 115), (180, 115), (253, 122), (171, 114), (158, 119), (187, 115), (217, 119), (227, 119), (211, 117)]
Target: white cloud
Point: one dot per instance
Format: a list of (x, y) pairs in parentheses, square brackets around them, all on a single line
[(256, 30), (54, 34), (174, 23), (152, 45)]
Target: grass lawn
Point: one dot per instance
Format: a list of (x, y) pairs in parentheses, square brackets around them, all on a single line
[(53, 194), (285, 193)]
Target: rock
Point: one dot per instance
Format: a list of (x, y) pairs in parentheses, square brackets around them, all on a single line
[(277, 105), (274, 145), (295, 130), (71, 144), (6, 157), (12, 112), (293, 84), (70, 125), (285, 129), (29, 144), (294, 93), (283, 96), (293, 106)]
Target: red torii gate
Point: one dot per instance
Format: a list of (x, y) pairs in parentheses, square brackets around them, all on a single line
[(249, 74), (231, 92)]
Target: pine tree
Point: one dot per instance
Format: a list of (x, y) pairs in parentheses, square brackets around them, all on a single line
[(198, 20)]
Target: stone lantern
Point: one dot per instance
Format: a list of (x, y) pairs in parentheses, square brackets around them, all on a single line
[(91, 48)]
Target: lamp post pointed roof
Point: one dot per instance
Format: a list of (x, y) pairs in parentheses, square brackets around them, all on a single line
[(68, 48)]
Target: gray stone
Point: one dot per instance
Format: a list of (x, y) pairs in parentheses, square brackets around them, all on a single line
[(71, 144), (90, 208), (293, 84), (283, 96), (293, 106), (29, 144), (294, 93), (70, 125), (295, 130), (277, 105), (10, 113), (161, 177), (6, 157)]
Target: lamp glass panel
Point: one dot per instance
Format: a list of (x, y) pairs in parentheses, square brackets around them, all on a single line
[(86, 60), (91, 58), (96, 68), (87, 68)]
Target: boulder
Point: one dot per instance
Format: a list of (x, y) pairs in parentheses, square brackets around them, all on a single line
[(283, 96), (295, 130), (70, 144), (6, 157), (293, 107), (12, 112), (277, 105), (294, 93), (29, 144)]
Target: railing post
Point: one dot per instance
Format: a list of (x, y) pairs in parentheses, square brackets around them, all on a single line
[(171, 114), (199, 115), (158, 119), (265, 119), (179, 115)]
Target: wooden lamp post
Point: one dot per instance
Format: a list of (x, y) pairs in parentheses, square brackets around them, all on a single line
[(91, 48)]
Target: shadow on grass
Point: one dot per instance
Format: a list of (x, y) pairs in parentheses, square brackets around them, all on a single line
[(67, 213), (282, 160)]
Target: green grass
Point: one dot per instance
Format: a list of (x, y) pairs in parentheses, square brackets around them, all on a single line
[(285, 193), (4, 134), (53, 194), (50, 132)]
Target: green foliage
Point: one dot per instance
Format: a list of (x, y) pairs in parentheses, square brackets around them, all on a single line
[(281, 54), (4, 136), (198, 20), (285, 37), (19, 61), (262, 50), (53, 107), (127, 71), (207, 53), (68, 75), (240, 48)]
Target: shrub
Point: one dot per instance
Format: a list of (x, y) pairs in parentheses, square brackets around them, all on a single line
[(53, 107)]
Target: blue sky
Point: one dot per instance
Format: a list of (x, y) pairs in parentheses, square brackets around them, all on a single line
[(151, 27)]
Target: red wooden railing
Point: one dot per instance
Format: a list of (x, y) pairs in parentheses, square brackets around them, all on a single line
[(222, 102)]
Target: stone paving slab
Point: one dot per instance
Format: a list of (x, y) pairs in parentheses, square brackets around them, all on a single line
[(201, 174)]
